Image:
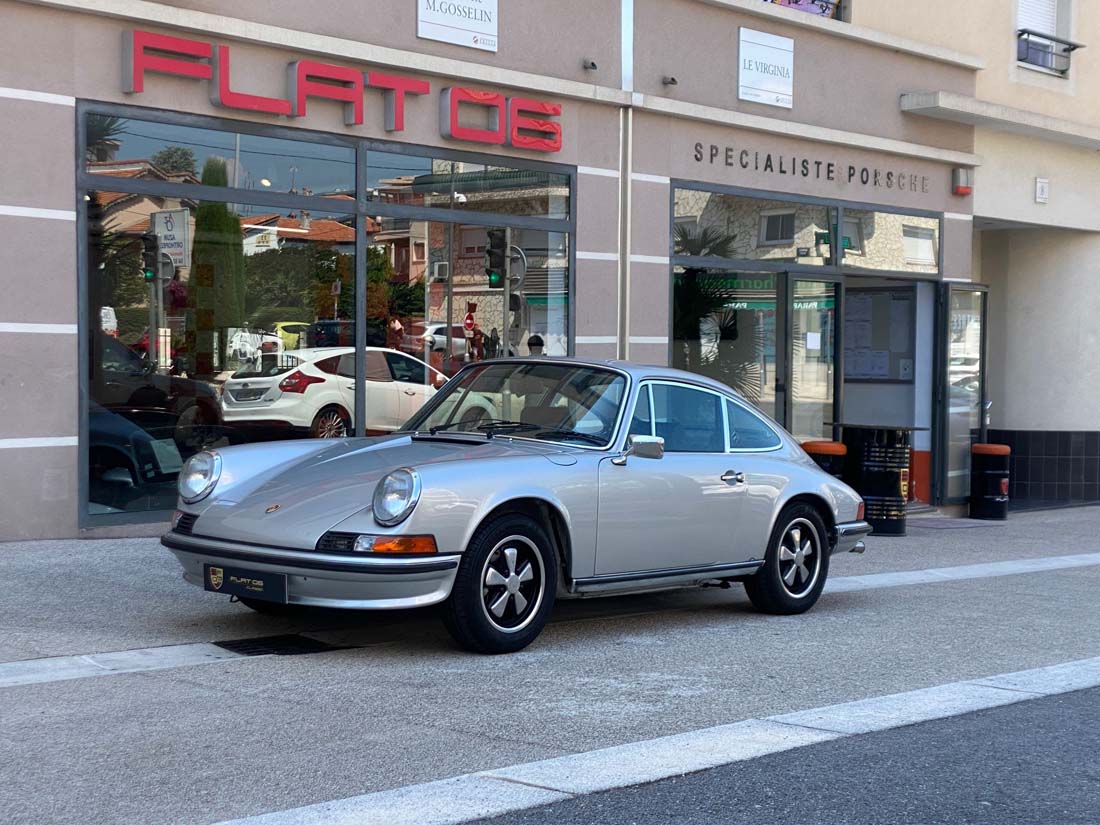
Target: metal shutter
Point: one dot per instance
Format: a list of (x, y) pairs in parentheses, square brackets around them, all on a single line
[(1037, 15)]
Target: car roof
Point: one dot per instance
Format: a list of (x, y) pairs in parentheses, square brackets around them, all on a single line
[(313, 353), (638, 372)]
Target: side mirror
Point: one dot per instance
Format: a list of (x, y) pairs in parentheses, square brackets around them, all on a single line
[(642, 446)]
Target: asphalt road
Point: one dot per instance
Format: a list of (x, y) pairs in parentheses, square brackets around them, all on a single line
[(237, 738), (1032, 763)]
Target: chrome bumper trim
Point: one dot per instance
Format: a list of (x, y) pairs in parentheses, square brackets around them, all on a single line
[(306, 559), (850, 535)]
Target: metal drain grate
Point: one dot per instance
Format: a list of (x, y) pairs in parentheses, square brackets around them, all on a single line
[(289, 645)]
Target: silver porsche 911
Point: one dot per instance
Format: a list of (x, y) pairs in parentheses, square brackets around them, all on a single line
[(522, 481)]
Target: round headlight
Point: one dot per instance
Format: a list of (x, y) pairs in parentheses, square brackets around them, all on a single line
[(199, 475), (395, 497)]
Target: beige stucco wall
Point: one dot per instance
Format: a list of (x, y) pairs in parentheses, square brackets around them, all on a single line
[(987, 29), (1044, 373)]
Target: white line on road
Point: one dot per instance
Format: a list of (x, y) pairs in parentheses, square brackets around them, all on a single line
[(57, 668), (520, 787)]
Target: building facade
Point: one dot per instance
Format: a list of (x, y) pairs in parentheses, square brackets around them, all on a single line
[(784, 196)]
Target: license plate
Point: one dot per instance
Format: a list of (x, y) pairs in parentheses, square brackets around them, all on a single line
[(248, 395), (237, 581)]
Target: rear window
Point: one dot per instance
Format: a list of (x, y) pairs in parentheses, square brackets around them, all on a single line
[(268, 366)]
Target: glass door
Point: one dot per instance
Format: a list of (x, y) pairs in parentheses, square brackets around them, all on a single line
[(812, 380), (962, 386), (724, 326)]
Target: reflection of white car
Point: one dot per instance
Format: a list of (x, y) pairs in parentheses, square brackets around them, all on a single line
[(434, 336), (248, 346), (314, 390)]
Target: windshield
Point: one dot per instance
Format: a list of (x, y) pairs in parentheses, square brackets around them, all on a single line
[(566, 403)]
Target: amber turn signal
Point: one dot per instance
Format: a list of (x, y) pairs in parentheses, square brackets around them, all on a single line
[(404, 545), (860, 510)]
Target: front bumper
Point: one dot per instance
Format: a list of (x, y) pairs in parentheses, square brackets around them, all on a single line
[(850, 536), (326, 580)]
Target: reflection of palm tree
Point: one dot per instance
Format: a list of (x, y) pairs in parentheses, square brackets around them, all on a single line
[(100, 136), (702, 318)]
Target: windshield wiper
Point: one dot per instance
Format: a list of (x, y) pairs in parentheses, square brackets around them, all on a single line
[(591, 439), (493, 424), (438, 428)]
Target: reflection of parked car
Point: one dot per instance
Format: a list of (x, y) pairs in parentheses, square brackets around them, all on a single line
[(434, 337), (250, 345), (294, 334), (313, 390), (131, 454), (592, 478), (123, 380)]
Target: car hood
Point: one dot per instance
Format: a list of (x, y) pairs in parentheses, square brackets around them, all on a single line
[(295, 503)]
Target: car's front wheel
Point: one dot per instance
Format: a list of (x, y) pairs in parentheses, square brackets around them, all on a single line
[(795, 566), (504, 589)]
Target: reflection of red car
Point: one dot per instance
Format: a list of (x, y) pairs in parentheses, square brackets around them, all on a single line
[(142, 345)]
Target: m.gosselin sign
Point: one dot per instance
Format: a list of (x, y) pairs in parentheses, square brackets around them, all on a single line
[(519, 122)]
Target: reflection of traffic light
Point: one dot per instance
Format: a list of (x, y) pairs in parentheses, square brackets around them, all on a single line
[(496, 252), (150, 255)]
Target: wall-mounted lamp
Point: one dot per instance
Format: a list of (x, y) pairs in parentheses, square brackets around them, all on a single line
[(668, 80), (590, 65)]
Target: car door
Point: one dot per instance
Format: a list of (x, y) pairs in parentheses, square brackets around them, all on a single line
[(411, 377), (678, 511), (383, 406), (755, 453)]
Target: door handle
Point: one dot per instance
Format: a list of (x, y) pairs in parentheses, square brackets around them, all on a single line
[(730, 475), (409, 392)]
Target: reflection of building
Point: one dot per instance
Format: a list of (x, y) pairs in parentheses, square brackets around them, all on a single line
[(263, 233)]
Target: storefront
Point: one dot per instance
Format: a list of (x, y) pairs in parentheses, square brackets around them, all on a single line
[(279, 232)]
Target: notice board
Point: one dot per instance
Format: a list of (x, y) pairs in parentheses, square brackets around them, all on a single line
[(880, 334)]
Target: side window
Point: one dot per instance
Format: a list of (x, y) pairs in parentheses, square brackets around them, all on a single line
[(641, 423), (748, 431), (689, 420), (406, 369), (376, 366), (346, 367), (328, 365)]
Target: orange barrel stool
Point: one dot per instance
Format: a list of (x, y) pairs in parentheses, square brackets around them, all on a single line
[(829, 455), (989, 477)]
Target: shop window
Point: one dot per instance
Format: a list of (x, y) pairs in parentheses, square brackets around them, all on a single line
[(776, 228), (121, 148), (714, 225), (891, 242), (204, 349), (411, 180)]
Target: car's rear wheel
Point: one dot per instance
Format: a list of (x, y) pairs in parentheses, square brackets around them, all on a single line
[(795, 566), (331, 422), (504, 589)]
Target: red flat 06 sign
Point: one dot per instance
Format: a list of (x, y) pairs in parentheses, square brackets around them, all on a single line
[(519, 122)]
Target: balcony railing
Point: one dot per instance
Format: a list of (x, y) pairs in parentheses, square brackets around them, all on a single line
[(1044, 50), (820, 8)]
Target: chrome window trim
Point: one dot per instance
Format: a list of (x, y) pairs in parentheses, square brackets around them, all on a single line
[(686, 385)]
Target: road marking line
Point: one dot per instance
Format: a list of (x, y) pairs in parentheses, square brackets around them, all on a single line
[(962, 572), (58, 668), (521, 787)]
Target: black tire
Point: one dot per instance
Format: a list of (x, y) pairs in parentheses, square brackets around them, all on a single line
[(273, 608), (470, 612), (786, 584), (331, 422)]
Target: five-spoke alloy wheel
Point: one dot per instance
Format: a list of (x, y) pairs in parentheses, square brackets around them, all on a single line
[(504, 588), (796, 564)]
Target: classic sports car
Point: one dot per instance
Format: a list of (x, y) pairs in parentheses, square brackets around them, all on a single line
[(591, 478)]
